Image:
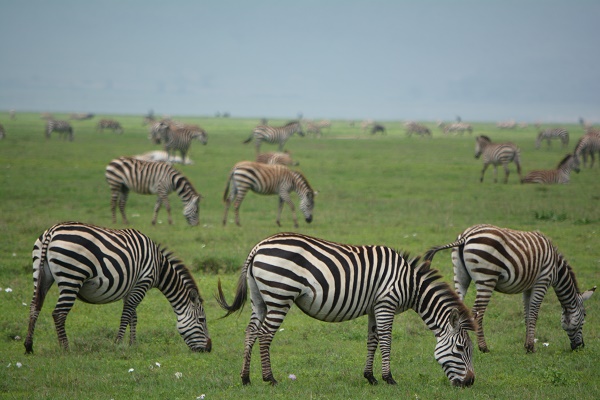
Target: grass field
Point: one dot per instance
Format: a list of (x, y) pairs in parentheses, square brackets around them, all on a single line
[(407, 193)]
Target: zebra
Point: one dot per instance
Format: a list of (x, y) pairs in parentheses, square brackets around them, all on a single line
[(496, 154), (417, 129), (553, 133), (178, 137), (506, 124), (377, 128), (158, 131), (268, 179), (335, 282), (275, 157), (113, 125), (146, 177), (99, 266), (271, 134), (510, 261), (561, 174), (62, 127), (313, 127), (588, 144), (459, 127), (2, 132)]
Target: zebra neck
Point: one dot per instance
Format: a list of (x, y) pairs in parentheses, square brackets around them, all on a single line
[(564, 284), (174, 279), (434, 303), (184, 188)]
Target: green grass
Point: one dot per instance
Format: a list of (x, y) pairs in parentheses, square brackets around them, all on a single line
[(407, 193)]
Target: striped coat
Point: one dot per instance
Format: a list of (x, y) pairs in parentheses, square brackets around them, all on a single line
[(552, 133), (62, 127), (335, 282), (100, 265), (146, 177), (497, 154), (111, 124), (178, 137), (511, 262), (562, 173), (272, 134), (588, 144), (275, 157), (268, 179)]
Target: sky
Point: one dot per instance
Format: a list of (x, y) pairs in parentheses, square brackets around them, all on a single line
[(429, 60)]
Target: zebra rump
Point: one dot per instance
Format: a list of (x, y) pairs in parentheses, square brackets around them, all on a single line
[(99, 266)]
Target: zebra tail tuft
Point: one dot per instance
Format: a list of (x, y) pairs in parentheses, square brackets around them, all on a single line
[(249, 139), (240, 297), (226, 192)]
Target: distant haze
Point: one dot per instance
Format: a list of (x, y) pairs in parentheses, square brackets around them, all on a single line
[(340, 59)]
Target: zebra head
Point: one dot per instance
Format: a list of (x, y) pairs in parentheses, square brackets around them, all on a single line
[(191, 210), (191, 324), (454, 350), (202, 136), (572, 320), (307, 203), (480, 143)]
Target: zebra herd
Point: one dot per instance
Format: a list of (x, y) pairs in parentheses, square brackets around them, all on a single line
[(328, 281)]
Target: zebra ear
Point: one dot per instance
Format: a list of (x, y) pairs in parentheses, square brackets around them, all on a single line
[(454, 319), (588, 293)]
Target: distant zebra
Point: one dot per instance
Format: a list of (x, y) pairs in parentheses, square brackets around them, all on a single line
[(552, 133), (179, 138), (506, 125), (511, 262), (268, 179), (377, 128), (2, 132), (417, 129), (146, 177), (158, 131), (275, 157), (335, 282), (313, 127), (497, 154), (100, 266), (457, 127), (588, 144), (111, 124), (63, 128), (271, 134), (562, 173)]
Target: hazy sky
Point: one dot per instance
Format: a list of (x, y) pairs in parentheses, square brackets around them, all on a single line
[(429, 59)]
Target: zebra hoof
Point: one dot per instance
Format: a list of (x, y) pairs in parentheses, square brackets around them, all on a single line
[(389, 380), (246, 380), (371, 378)]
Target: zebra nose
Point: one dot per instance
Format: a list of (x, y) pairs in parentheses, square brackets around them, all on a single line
[(208, 346), (309, 219)]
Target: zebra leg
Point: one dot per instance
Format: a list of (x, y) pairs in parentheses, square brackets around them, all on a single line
[(252, 330), (65, 302), (482, 299), (272, 322), (285, 197), (129, 315), (37, 302), (114, 199), (236, 206), (372, 342), (384, 332), (532, 299), (506, 172), (485, 165), (122, 201)]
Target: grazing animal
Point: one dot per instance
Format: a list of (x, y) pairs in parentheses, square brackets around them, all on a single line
[(111, 124), (550, 134), (511, 262), (158, 131), (63, 128), (276, 158), (178, 137), (457, 127), (378, 128), (497, 154), (146, 177), (335, 282), (272, 134), (588, 144), (562, 173), (417, 129), (99, 266), (268, 179)]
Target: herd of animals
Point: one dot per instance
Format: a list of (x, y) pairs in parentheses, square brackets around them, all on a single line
[(328, 281)]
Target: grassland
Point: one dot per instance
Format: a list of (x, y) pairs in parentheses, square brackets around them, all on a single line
[(407, 193)]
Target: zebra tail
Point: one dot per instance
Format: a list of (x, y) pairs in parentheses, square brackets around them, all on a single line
[(241, 293), (226, 193), (249, 139), (431, 252)]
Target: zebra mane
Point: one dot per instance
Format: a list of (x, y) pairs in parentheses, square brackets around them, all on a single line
[(564, 160), (290, 123), (182, 270), (431, 278), (570, 271), (485, 137), (302, 177)]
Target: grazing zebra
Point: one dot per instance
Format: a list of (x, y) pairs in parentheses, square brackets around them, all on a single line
[(496, 154), (377, 128), (158, 131), (146, 177), (511, 262), (111, 124), (334, 282), (313, 127), (561, 174), (506, 125), (588, 144), (81, 116), (275, 157), (268, 179), (100, 266), (456, 127), (271, 134), (2, 132), (178, 137), (63, 128), (553, 133), (417, 129)]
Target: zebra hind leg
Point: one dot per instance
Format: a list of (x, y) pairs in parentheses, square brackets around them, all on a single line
[(372, 341), (42, 287)]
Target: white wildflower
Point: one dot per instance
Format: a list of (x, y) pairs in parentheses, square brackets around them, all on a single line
[(157, 364), (202, 396), (281, 330), (14, 254), (8, 290), (9, 364), (292, 377), (17, 337), (178, 375), (546, 344), (25, 304), (19, 365), (131, 370), (535, 340)]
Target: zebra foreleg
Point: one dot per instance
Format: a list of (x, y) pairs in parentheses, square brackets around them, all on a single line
[(482, 300), (506, 172), (122, 198), (372, 341), (483, 172), (129, 317), (284, 197), (162, 199), (532, 299)]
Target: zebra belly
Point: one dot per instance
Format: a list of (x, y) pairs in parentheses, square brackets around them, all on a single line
[(98, 291)]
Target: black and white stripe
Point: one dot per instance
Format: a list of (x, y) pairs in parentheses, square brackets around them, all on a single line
[(111, 124), (497, 154), (588, 144), (511, 262), (276, 157), (178, 137), (62, 127), (551, 134), (334, 282), (416, 129), (145, 177), (562, 173), (100, 265), (268, 179), (272, 134)]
